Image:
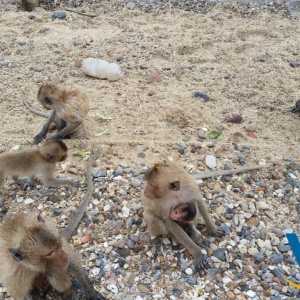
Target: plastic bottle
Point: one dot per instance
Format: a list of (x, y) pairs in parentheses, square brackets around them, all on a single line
[(101, 69)]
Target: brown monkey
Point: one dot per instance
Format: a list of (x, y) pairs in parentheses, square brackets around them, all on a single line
[(185, 212), (31, 249), (168, 185), (69, 107), (31, 162)]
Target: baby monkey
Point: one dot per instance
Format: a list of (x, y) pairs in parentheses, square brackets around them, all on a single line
[(32, 249), (31, 162), (185, 212), (69, 108)]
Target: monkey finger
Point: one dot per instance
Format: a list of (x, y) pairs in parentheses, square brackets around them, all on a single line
[(39, 137), (201, 266), (220, 232)]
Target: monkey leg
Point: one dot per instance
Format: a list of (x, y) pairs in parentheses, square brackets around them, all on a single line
[(24, 183), (69, 128), (210, 225), (180, 235), (60, 279), (155, 224), (40, 136), (50, 181), (78, 272), (190, 230)]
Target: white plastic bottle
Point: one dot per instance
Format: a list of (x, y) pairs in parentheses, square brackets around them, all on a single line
[(101, 69)]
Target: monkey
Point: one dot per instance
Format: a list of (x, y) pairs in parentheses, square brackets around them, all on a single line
[(69, 108), (29, 5), (166, 186), (31, 162), (32, 250), (185, 213)]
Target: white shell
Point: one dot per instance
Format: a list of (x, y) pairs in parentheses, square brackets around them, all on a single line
[(101, 69)]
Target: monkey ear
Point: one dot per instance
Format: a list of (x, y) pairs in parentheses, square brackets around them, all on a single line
[(50, 157), (175, 186), (40, 219), (16, 254)]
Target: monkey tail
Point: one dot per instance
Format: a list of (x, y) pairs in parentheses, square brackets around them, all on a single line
[(33, 110), (90, 187)]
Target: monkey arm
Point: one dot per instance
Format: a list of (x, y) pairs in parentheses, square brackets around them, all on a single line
[(70, 127), (211, 227), (39, 137), (192, 247)]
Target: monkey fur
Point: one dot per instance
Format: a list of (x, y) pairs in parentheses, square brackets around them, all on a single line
[(38, 161), (31, 249), (69, 108)]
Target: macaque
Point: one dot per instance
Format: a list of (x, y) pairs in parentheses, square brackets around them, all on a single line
[(69, 107), (39, 161), (185, 212), (33, 251), (167, 186)]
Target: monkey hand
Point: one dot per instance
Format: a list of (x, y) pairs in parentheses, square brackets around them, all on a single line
[(219, 232), (39, 137), (200, 265), (75, 183)]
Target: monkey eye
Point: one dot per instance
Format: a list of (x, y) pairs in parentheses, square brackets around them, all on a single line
[(48, 100), (49, 254)]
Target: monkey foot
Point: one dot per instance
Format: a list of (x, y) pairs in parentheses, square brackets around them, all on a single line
[(201, 266)]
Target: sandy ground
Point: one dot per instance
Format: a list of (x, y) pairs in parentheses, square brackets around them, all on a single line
[(241, 63)]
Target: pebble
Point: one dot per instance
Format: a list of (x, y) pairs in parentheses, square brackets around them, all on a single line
[(130, 5), (28, 201), (211, 162), (201, 95), (59, 15)]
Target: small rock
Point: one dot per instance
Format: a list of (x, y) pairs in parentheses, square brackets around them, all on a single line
[(202, 134), (294, 64), (59, 15), (201, 95), (85, 239), (211, 162), (130, 5), (28, 201), (155, 77)]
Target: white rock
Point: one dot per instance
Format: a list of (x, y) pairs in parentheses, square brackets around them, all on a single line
[(15, 148), (189, 271), (106, 207), (252, 251), (242, 249), (226, 280), (113, 288), (262, 205), (40, 207), (125, 211), (28, 201), (211, 161), (251, 294), (20, 199), (95, 271)]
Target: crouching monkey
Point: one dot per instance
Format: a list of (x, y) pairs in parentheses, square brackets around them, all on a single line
[(168, 185), (32, 248)]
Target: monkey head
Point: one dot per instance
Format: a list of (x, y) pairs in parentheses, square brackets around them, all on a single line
[(48, 95), (156, 184), (40, 247), (184, 212), (53, 151)]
